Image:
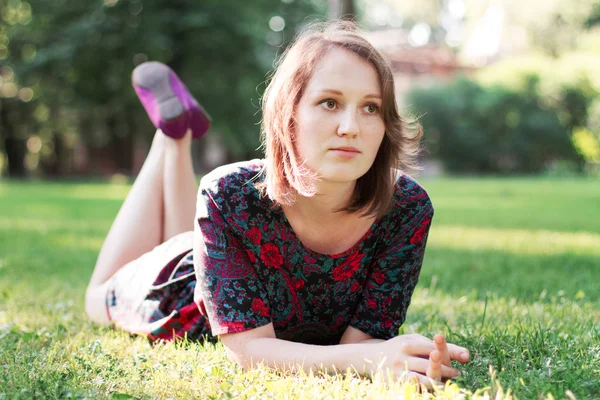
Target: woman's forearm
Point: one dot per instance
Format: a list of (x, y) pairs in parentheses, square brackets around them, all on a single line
[(402, 356), (287, 355), (372, 341)]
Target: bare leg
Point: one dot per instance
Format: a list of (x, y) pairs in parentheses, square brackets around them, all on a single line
[(136, 229), (138, 226), (179, 187), (160, 205)]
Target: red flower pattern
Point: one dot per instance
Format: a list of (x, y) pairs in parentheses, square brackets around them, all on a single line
[(420, 232), (269, 254), (345, 270), (259, 307), (372, 304), (251, 256), (378, 276), (254, 235), (298, 284), (369, 287), (233, 326)]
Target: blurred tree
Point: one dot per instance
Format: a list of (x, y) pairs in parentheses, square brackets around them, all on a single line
[(13, 137), (474, 129), (14, 16), (568, 84), (77, 58), (551, 26), (593, 18), (343, 9)]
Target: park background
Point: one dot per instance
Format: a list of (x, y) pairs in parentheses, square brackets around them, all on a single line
[(508, 94)]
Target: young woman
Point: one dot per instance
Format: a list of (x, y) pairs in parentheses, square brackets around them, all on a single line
[(306, 259)]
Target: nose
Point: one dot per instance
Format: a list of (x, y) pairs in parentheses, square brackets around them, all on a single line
[(348, 124)]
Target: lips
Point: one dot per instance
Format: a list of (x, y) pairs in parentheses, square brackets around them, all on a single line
[(349, 149)]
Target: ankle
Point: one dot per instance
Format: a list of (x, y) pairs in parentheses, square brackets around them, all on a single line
[(184, 143)]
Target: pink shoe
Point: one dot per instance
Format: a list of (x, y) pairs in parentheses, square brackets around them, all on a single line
[(167, 101)]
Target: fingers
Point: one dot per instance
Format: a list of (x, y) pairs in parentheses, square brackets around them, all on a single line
[(420, 378), (434, 369), (458, 353), (442, 350), (420, 365), (421, 346)]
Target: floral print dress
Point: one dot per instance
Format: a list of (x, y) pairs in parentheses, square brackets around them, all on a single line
[(248, 269)]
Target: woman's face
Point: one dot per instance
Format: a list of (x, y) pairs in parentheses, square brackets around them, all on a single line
[(339, 122)]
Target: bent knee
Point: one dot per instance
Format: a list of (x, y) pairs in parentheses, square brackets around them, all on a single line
[(95, 304)]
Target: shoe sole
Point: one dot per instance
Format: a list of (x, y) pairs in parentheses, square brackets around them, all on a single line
[(154, 77)]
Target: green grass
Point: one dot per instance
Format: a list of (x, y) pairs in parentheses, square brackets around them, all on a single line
[(512, 272)]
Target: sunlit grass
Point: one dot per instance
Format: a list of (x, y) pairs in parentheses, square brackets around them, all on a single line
[(569, 205), (512, 272), (515, 241), (42, 225)]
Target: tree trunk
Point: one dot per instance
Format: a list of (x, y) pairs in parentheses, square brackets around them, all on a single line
[(121, 143), (342, 9), (53, 165), (14, 147)]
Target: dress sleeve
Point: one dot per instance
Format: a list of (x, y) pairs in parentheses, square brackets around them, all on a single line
[(394, 275), (228, 289)]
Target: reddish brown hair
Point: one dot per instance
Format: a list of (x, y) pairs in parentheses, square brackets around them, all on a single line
[(285, 176)]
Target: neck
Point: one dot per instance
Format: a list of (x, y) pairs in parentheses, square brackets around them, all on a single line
[(329, 198)]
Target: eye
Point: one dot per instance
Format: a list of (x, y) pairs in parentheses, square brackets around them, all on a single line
[(329, 104), (371, 108)]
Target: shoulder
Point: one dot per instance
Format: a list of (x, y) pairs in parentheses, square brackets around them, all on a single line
[(232, 177), (410, 195), (230, 192), (412, 210), (407, 188)]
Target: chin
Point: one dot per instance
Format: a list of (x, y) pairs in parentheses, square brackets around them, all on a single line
[(342, 175)]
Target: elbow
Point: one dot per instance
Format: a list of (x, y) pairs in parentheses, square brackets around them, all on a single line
[(247, 348), (237, 350), (238, 358)]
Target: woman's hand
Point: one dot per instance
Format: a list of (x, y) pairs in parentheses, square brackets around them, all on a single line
[(441, 356), (420, 358)]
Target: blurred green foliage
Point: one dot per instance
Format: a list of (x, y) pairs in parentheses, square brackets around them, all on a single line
[(65, 80), (523, 115), (68, 64)]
